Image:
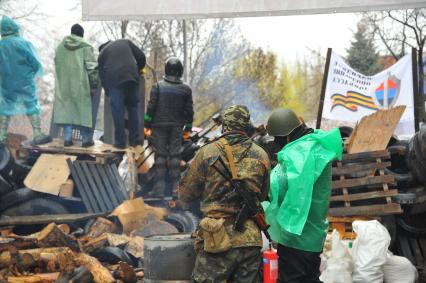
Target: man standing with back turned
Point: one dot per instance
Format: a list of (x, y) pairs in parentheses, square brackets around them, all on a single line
[(224, 252), (120, 65), (300, 194), (76, 81), (169, 110)]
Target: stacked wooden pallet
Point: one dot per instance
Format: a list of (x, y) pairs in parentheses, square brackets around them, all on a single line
[(361, 187)]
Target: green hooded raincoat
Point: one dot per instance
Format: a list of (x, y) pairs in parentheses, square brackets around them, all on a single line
[(300, 191), (76, 75)]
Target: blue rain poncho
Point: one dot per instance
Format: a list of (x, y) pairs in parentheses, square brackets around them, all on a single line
[(19, 66), (300, 191)]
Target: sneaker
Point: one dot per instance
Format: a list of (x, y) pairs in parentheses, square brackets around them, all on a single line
[(88, 144), (68, 143), (42, 139)]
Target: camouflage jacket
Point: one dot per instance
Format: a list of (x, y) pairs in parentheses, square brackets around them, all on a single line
[(202, 182)]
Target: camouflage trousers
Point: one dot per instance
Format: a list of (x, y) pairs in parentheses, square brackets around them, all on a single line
[(235, 266)]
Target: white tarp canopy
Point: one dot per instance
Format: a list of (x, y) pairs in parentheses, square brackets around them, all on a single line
[(173, 9)]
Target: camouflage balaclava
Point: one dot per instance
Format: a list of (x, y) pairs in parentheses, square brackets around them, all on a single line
[(236, 118)]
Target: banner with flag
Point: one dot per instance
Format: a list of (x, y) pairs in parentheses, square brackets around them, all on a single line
[(350, 95)]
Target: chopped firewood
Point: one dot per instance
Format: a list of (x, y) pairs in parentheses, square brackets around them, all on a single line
[(81, 275), (99, 272), (135, 247), (6, 244), (43, 254), (38, 278), (100, 227), (116, 240), (96, 243), (140, 274), (52, 236), (126, 273), (65, 228)]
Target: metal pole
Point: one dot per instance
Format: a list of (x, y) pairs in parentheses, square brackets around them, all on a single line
[(185, 52), (323, 87), (416, 96)]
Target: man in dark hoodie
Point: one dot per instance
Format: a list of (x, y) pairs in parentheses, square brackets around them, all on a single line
[(76, 81), (120, 63)]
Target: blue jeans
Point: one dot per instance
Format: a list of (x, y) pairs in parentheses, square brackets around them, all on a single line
[(125, 95), (86, 133)]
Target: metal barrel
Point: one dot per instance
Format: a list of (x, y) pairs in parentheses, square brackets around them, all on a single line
[(168, 258)]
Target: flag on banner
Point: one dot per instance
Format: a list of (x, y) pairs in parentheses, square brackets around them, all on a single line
[(350, 95)]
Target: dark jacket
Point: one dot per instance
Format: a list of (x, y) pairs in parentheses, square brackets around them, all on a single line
[(170, 104), (119, 62)]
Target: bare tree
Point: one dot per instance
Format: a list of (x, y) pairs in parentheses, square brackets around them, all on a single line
[(398, 31)]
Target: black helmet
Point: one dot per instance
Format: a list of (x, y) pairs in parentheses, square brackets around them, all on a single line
[(173, 70)]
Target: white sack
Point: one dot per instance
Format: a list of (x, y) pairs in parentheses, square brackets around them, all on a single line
[(369, 251), (339, 263), (398, 269)]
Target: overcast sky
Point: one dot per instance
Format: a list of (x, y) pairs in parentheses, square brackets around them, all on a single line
[(290, 36)]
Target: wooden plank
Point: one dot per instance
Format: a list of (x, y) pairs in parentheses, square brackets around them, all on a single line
[(361, 196), (338, 184), (365, 155), (349, 219), (374, 131), (375, 209), (45, 219), (385, 186), (367, 167), (344, 190)]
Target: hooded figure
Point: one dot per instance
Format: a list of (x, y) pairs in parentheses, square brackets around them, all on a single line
[(19, 66), (76, 78)]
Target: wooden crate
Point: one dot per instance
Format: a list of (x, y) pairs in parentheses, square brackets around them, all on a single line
[(361, 187)]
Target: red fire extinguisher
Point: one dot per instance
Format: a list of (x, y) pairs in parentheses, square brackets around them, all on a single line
[(270, 265)]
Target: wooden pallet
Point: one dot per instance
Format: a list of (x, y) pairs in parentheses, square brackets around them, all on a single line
[(361, 187)]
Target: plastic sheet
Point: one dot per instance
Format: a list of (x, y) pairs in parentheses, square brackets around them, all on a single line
[(293, 198)]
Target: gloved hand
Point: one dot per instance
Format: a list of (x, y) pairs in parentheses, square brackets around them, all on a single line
[(187, 131), (147, 132), (186, 135)]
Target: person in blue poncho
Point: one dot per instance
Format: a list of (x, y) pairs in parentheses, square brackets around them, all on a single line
[(19, 66), (299, 194)]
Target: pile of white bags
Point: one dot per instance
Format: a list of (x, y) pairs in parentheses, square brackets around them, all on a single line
[(369, 260)]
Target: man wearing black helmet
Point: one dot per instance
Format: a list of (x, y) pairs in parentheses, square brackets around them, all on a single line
[(169, 113), (120, 63)]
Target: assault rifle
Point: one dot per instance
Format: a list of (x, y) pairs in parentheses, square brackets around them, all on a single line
[(251, 208)]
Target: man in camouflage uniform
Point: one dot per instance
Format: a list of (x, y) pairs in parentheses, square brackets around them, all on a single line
[(242, 261)]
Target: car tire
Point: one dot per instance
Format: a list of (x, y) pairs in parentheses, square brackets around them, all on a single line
[(184, 221), (17, 197)]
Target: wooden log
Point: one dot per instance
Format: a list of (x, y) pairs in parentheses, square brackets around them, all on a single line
[(96, 243), (45, 219), (52, 236), (125, 273), (38, 278), (41, 254), (19, 243), (101, 226), (99, 272)]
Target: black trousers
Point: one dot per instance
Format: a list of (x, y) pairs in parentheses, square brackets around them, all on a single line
[(167, 143), (297, 266)]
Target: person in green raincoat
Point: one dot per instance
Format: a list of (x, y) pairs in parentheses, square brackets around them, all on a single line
[(76, 82), (19, 65), (299, 194)]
